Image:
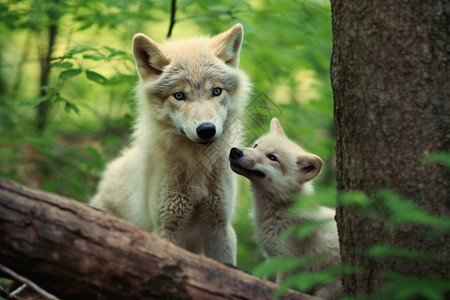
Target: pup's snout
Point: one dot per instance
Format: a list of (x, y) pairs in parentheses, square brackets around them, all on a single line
[(236, 153), (206, 131)]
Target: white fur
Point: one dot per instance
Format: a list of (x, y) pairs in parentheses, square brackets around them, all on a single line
[(167, 182), (289, 174)]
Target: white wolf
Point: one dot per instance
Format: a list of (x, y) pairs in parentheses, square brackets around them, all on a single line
[(174, 180), (278, 168)]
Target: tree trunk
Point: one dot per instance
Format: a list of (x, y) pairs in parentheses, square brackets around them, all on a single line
[(43, 108), (390, 82), (77, 252)]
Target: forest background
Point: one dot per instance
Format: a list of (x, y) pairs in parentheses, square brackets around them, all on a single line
[(67, 77)]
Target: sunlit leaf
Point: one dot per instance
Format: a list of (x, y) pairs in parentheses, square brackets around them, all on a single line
[(66, 65), (93, 57), (80, 49), (69, 73), (96, 77), (62, 64), (114, 52)]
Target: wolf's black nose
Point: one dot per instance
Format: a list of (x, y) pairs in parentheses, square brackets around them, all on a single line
[(236, 153), (206, 131)]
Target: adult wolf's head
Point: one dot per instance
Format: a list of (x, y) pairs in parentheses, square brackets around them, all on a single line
[(193, 88)]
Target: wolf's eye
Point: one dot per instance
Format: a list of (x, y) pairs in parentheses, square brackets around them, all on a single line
[(216, 91), (179, 96), (272, 157), (254, 146)]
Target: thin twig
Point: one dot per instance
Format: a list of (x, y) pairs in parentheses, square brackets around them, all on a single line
[(30, 283), (173, 9), (18, 290), (6, 295)]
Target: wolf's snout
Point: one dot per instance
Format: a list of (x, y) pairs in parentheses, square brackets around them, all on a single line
[(236, 153), (206, 131)]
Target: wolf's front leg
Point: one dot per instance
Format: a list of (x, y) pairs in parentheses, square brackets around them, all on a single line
[(220, 244), (219, 236), (174, 212)]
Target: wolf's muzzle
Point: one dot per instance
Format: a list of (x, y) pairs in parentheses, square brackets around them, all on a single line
[(236, 164), (206, 131), (236, 153)]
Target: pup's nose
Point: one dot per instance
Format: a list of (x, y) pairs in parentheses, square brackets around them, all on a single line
[(206, 131), (236, 153)]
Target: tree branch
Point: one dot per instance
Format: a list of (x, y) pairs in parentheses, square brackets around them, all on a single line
[(78, 252), (173, 9), (26, 282)]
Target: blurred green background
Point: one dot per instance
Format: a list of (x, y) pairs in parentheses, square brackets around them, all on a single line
[(63, 116)]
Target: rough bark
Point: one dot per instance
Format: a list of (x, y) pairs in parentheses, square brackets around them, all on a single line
[(391, 91), (77, 252)]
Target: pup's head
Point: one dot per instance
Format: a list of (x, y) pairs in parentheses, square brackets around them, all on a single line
[(275, 162), (191, 87)]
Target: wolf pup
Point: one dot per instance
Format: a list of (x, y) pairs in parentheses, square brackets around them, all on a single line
[(278, 168), (174, 180)]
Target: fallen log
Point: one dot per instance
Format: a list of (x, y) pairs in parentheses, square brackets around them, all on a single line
[(78, 252)]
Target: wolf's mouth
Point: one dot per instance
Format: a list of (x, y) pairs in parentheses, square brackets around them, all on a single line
[(207, 143), (246, 172), (203, 143)]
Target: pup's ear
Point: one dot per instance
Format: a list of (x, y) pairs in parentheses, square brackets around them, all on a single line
[(309, 166), (149, 57), (227, 45), (275, 126)]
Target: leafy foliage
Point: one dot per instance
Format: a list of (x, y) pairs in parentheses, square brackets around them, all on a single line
[(286, 52), (400, 212)]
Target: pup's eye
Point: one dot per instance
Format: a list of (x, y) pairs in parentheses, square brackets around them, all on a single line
[(180, 96), (272, 157), (254, 146), (216, 91)]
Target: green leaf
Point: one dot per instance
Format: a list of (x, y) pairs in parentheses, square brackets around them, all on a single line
[(66, 65), (406, 287), (405, 211), (439, 157), (114, 52), (69, 106), (76, 50), (358, 198), (69, 73), (96, 77), (37, 101), (310, 227), (304, 281), (286, 233), (278, 264), (49, 87), (94, 57), (388, 251)]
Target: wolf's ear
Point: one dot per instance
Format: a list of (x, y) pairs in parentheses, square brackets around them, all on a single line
[(309, 166), (275, 126), (149, 57), (227, 45)]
